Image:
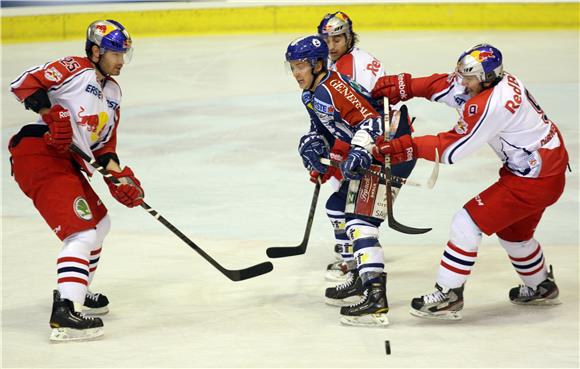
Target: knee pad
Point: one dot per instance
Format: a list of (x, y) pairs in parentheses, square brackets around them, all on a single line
[(103, 228), (81, 243), (357, 229), (464, 232)]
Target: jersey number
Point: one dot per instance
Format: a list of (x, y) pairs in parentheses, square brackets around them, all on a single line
[(537, 107), (70, 64)]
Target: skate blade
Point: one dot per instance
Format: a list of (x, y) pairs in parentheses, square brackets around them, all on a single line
[(448, 315), (369, 320), (539, 302), (67, 334), (345, 302), (95, 311)]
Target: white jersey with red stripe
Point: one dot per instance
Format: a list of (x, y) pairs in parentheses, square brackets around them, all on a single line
[(360, 67), (72, 83), (505, 116)]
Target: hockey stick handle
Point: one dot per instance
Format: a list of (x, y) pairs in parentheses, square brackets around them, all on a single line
[(234, 275), (362, 171)]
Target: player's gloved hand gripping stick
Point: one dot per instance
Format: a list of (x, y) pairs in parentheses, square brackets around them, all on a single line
[(234, 275), (388, 178)]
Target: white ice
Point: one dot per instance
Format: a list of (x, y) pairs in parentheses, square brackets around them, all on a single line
[(210, 125)]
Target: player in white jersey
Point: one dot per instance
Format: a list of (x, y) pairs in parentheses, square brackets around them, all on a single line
[(495, 108), (78, 102), (364, 69)]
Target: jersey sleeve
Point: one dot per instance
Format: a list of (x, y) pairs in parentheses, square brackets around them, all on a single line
[(472, 131), (438, 88), (48, 76)]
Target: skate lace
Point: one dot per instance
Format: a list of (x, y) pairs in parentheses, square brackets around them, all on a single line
[(362, 300), (93, 296), (526, 291), (83, 316), (436, 296), (346, 284)]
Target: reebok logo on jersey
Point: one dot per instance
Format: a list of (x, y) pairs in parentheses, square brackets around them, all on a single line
[(479, 200)]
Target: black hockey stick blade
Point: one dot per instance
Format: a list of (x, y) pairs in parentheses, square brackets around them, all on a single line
[(285, 251), (391, 219), (234, 275)]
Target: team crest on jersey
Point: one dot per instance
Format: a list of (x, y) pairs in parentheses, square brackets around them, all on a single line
[(52, 74), (461, 127), (82, 209), (322, 107)]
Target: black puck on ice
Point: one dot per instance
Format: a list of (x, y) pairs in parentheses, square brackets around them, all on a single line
[(388, 347)]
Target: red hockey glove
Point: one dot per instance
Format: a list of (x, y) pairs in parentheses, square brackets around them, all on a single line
[(129, 193), (60, 132), (400, 149), (396, 88), (338, 153)]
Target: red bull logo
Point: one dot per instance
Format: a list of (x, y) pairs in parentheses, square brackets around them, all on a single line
[(104, 29), (482, 56), (94, 123)]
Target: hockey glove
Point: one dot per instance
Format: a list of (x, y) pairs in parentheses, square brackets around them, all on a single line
[(312, 147), (129, 192), (338, 153), (60, 132), (357, 158), (395, 87), (400, 149)]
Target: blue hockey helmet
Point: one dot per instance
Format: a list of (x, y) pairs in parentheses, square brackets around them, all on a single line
[(309, 48), (483, 61), (109, 35), (334, 24)]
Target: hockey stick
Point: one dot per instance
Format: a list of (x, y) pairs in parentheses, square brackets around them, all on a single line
[(397, 180), (387, 171), (234, 275), (284, 251)]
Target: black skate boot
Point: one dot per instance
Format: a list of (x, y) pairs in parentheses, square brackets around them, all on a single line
[(347, 292), (545, 294), (372, 309), (444, 304), (95, 304), (69, 325)]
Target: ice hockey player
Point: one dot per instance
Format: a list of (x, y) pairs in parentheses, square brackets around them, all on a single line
[(341, 109), (77, 101), (495, 108), (361, 67)]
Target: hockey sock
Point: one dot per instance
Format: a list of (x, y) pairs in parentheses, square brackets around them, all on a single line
[(103, 228), (528, 261), (335, 213), (73, 265), (367, 249), (461, 251)]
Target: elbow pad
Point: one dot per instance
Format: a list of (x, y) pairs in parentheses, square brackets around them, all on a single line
[(37, 101)]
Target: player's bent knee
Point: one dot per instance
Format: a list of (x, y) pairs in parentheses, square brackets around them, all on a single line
[(464, 232)]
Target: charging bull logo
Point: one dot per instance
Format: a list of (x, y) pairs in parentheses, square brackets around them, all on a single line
[(482, 56), (103, 29), (93, 123)]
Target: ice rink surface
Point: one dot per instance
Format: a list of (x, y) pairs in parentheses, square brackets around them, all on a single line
[(210, 125)]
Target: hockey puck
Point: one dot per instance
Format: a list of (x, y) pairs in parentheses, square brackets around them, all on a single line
[(388, 347)]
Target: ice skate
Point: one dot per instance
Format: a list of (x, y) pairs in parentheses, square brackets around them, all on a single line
[(545, 294), (337, 271), (95, 304), (443, 304), (70, 325), (347, 292), (371, 310)]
